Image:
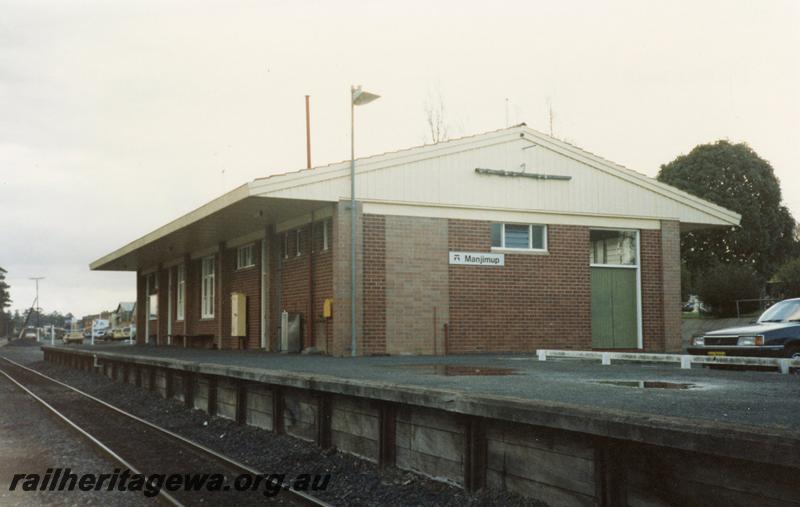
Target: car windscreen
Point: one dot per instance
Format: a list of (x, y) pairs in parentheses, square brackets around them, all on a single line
[(782, 312)]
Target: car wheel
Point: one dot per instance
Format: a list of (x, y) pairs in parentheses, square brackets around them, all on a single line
[(793, 353)]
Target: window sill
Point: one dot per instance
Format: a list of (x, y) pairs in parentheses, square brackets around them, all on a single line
[(206, 318), (520, 251), (245, 268)]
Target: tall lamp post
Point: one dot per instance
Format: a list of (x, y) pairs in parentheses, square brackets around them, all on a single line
[(36, 306), (358, 97)]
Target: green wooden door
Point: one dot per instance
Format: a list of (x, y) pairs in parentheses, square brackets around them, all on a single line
[(614, 308)]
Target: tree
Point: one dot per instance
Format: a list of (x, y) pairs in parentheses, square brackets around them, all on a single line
[(788, 276), (5, 301), (734, 177), (5, 297), (721, 285), (435, 117)]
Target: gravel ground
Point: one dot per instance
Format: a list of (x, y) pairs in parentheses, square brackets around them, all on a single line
[(354, 481), (32, 440)]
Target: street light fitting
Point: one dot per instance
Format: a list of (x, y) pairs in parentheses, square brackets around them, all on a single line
[(360, 97)]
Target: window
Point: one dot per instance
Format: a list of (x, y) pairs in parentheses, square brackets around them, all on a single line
[(153, 298), (244, 257), (286, 245), (325, 234), (181, 292), (612, 247), (207, 288), (298, 241), (520, 237)]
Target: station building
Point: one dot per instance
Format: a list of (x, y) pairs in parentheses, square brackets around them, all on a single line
[(506, 241)]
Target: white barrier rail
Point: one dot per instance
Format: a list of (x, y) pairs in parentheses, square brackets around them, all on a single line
[(686, 361)]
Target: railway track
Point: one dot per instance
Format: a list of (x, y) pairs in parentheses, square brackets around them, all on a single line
[(145, 448)]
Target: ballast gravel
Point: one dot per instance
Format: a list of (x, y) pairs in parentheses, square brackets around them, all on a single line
[(353, 481)]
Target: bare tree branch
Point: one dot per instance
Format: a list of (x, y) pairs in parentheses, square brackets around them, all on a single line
[(435, 116)]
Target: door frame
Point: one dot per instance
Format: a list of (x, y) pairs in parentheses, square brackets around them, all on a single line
[(638, 268)]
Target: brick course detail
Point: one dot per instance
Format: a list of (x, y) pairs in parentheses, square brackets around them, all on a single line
[(374, 307), (535, 301)]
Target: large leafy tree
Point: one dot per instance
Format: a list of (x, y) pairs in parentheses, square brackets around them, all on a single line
[(735, 177)]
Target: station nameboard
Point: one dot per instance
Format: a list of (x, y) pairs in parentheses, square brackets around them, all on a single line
[(477, 259)]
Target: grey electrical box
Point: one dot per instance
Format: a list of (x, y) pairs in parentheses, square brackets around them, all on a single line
[(291, 332)]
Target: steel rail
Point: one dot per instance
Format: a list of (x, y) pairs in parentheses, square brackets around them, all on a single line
[(300, 496), (119, 459)]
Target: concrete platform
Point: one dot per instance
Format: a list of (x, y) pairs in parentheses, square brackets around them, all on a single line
[(740, 417)]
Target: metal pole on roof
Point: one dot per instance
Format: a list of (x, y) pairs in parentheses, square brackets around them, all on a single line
[(357, 98)]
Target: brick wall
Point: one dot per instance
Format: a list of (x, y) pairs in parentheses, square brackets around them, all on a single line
[(289, 289), (534, 301), (408, 291), (192, 293), (374, 307), (416, 284), (140, 309), (247, 281), (293, 290), (294, 281), (323, 283), (162, 306), (178, 326), (671, 270), (156, 325), (200, 325), (652, 292)]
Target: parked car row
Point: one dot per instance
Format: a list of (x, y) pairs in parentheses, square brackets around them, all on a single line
[(101, 332)]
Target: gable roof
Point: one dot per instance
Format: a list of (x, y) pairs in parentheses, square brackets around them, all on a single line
[(298, 184), (440, 175), (126, 307)]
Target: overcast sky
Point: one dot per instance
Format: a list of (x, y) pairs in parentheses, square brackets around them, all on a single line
[(117, 117)]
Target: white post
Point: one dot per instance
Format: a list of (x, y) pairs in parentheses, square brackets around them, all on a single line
[(52, 334), (38, 337), (606, 358), (784, 365), (686, 362), (542, 355)]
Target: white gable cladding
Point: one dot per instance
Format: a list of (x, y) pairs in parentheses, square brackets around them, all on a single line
[(444, 176)]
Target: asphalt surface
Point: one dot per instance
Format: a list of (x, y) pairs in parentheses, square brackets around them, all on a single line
[(749, 398)]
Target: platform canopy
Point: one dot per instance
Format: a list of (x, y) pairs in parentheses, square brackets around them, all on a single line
[(232, 215)]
